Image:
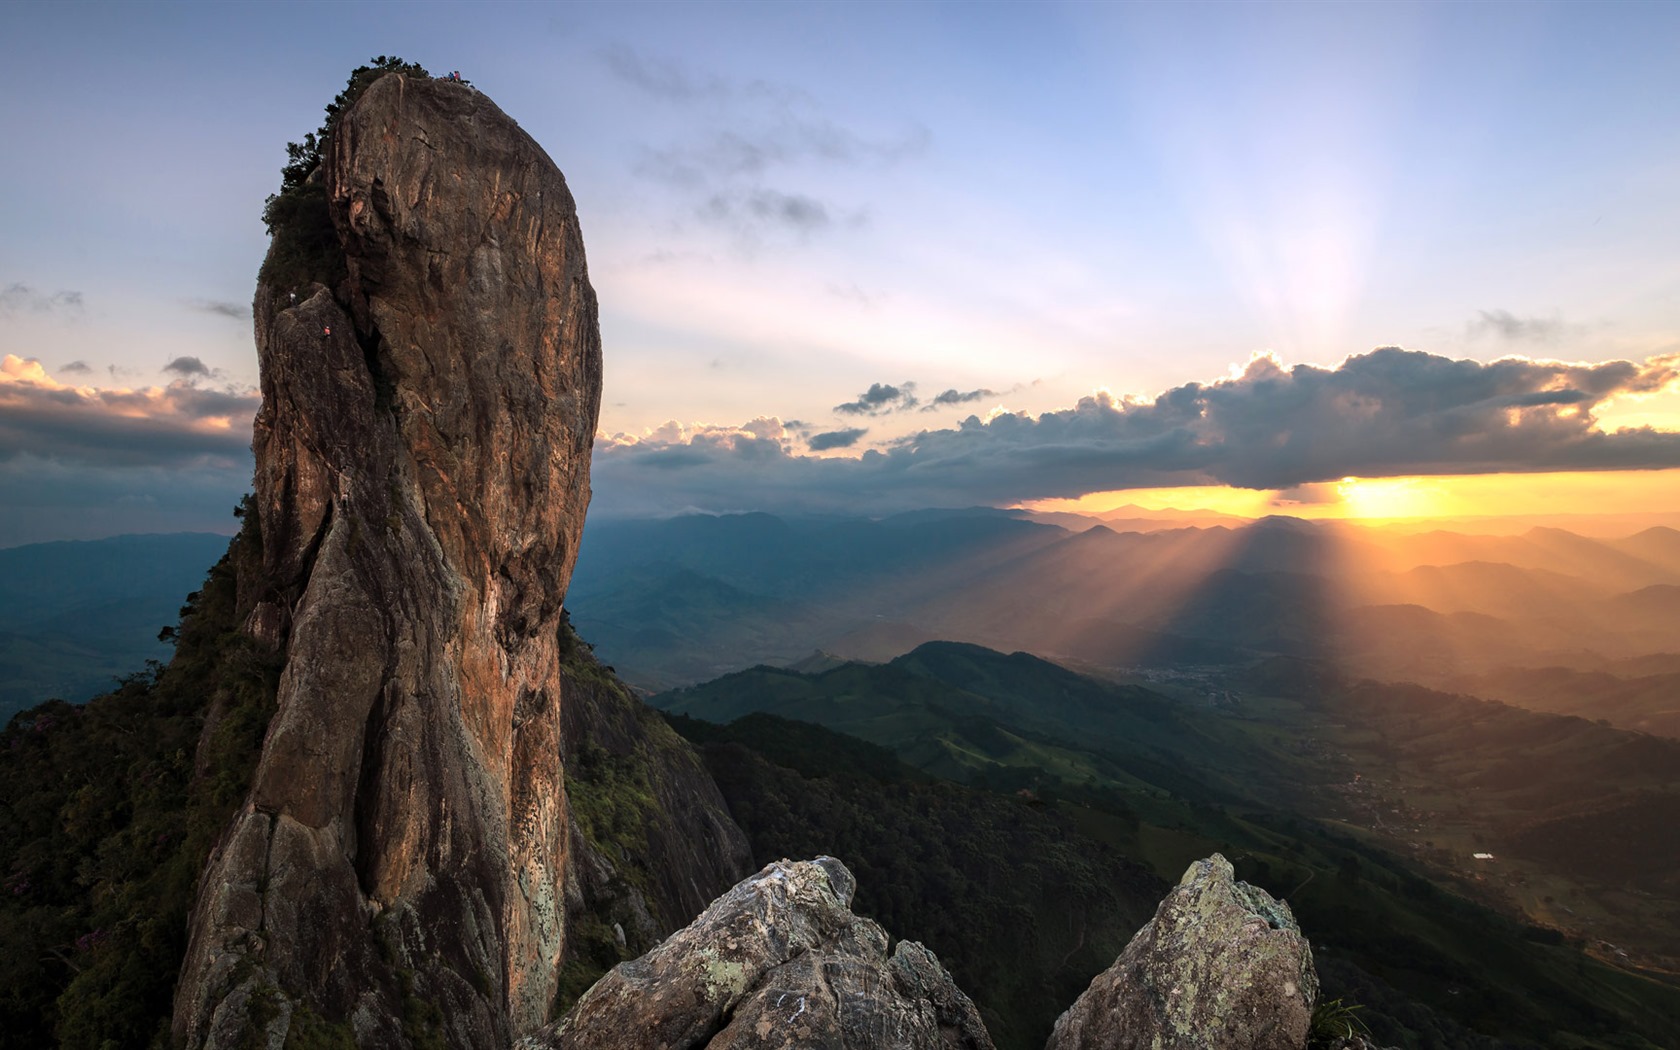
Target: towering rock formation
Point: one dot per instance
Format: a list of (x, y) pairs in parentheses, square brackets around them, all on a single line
[(422, 475)]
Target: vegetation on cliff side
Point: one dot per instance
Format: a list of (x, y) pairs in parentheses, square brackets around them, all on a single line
[(304, 246), (107, 813)]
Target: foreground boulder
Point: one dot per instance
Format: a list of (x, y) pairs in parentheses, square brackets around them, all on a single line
[(1222, 966), (395, 876), (778, 961)]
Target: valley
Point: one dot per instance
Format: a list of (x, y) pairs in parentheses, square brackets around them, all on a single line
[(1362, 804), (1483, 714)]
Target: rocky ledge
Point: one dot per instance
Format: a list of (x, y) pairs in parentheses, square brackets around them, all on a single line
[(1221, 966), (778, 961)]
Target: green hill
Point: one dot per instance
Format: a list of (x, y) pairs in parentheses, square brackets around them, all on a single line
[(1270, 776)]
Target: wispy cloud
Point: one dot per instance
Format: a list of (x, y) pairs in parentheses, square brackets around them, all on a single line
[(662, 77), (17, 298), (48, 499), (76, 368), (1508, 327), (751, 210), (1386, 413), (221, 308), (733, 154), (880, 399), (746, 163), (956, 397)]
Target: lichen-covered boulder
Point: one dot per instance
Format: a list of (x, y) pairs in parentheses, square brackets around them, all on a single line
[(779, 961), (1222, 966)]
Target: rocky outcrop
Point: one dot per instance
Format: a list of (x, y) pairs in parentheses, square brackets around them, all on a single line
[(1222, 966), (778, 961), (396, 874)]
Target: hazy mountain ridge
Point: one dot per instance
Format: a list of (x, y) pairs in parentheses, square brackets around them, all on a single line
[(1650, 703), (683, 600), (75, 615), (1431, 606)]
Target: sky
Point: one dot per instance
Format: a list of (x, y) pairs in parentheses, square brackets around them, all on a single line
[(1327, 258)]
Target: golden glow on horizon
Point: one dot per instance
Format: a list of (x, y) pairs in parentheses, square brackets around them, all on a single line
[(1387, 499), (1411, 498), (1660, 411)]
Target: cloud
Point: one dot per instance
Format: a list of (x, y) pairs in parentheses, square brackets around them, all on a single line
[(754, 210), (221, 308), (1319, 493), (835, 439), (789, 139), (748, 138), (1386, 413), (662, 78), (956, 397), (187, 366), (83, 462), (178, 425), (1505, 325), (16, 298), (76, 368), (880, 399)]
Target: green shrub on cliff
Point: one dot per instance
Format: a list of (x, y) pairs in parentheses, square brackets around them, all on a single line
[(305, 247), (107, 812)]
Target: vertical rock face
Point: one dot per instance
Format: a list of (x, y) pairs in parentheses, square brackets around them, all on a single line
[(1222, 966), (422, 475), (779, 961)]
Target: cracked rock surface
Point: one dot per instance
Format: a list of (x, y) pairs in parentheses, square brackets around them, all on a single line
[(395, 875), (779, 961), (1221, 966)]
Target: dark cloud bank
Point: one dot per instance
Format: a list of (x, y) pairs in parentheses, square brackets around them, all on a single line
[(1385, 413), (85, 463), (89, 463), (171, 427)]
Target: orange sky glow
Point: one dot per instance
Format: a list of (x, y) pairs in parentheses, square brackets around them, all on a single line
[(1380, 500)]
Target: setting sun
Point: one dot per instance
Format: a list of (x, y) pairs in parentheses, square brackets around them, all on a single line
[(1414, 498), (1383, 498)]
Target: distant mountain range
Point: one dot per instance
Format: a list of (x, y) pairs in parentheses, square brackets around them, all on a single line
[(675, 601), (76, 615), (680, 600)]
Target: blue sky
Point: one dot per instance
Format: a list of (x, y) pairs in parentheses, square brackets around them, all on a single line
[(786, 206)]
